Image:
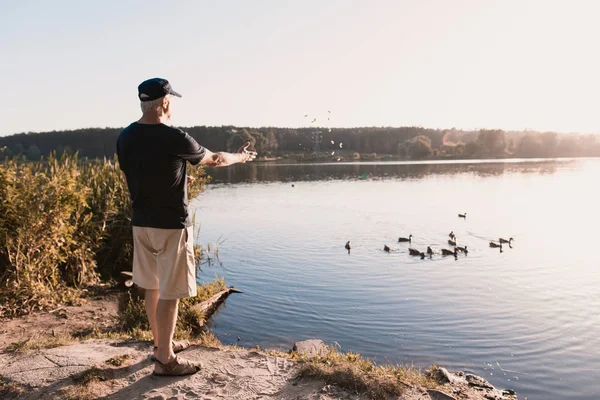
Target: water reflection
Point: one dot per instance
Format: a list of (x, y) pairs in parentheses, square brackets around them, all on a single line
[(273, 172)]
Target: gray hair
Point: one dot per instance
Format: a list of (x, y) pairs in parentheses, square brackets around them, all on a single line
[(152, 105)]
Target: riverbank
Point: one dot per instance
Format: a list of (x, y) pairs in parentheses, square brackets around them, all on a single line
[(66, 353)]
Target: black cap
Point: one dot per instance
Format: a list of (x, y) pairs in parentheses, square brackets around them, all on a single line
[(155, 88)]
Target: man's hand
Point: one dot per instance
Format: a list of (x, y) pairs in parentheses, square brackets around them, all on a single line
[(246, 155), (224, 159)]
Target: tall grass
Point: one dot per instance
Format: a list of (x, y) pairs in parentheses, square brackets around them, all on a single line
[(64, 225)]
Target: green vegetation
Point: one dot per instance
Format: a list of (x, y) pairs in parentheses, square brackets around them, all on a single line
[(352, 372), (370, 143), (64, 226)]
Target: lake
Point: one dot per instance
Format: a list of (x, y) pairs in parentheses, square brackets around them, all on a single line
[(526, 318)]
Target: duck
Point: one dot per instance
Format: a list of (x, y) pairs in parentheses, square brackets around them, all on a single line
[(348, 246), (495, 245), (452, 235), (506, 241), (403, 239), (415, 252), (463, 249), (446, 252), (386, 248), (429, 251), (462, 215), (452, 242)]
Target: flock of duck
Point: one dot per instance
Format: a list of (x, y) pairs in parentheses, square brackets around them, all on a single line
[(445, 252)]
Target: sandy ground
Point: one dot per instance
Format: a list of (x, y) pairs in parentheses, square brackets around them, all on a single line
[(227, 373), (98, 311)]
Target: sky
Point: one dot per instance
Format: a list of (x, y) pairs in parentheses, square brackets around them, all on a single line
[(469, 64)]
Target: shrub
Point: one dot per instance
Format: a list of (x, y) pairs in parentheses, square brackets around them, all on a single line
[(64, 225)]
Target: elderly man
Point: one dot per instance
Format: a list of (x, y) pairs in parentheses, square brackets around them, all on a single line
[(154, 158)]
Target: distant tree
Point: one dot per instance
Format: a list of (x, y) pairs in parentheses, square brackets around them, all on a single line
[(5, 152), (238, 138), (18, 148), (569, 146), (510, 146), (402, 149), (272, 144), (34, 153), (530, 146), (549, 141), (492, 142), (472, 149), (419, 147)]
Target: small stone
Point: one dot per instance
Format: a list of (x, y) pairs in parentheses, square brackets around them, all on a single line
[(312, 347), (478, 381), (441, 375), (437, 395)]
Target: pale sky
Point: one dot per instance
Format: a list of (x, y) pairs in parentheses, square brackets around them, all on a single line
[(509, 64)]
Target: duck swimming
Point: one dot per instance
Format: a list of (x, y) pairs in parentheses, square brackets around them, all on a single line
[(446, 252), (429, 251), (386, 248), (462, 215), (463, 249), (348, 246), (506, 241), (452, 235), (403, 239), (415, 252), (452, 242)]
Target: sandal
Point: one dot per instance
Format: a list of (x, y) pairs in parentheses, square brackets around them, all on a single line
[(177, 347), (176, 367)]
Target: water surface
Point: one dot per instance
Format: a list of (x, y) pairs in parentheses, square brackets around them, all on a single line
[(531, 310)]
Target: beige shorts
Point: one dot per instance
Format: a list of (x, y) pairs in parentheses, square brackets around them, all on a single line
[(163, 259)]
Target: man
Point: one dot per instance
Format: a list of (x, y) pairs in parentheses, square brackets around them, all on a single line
[(154, 158)]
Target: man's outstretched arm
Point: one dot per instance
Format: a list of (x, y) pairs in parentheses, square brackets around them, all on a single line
[(223, 159)]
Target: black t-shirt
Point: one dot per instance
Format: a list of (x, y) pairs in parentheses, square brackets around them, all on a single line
[(153, 158)]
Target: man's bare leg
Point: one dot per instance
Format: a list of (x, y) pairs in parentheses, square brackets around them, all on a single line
[(166, 317), (151, 301)]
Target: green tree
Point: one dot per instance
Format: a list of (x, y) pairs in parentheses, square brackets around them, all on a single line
[(5, 152), (34, 153)]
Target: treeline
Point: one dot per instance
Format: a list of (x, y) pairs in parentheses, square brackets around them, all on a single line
[(354, 143)]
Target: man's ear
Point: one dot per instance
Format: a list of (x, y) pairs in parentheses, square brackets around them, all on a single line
[(165, 102)]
